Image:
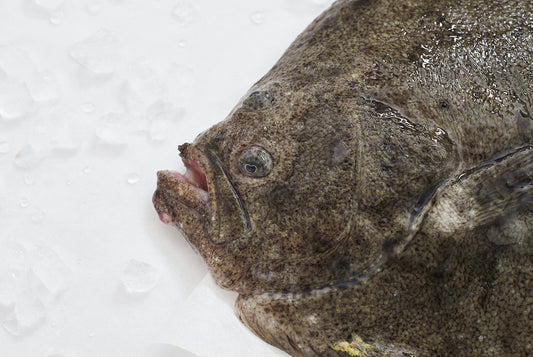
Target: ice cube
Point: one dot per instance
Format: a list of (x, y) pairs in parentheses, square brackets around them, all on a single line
[(141, 88), (15, 99), (113, 129), (56, 128), (49, 275), (27, 314), (139, 277), (98, 53), (161, 116), (43, 87), (16, 63), (28, 157), (5, 147)]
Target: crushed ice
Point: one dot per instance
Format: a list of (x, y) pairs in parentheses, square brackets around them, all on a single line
[(139, 277), (97, 53), (32, 278)]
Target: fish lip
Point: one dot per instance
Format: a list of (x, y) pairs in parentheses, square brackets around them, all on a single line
[(192, 191)]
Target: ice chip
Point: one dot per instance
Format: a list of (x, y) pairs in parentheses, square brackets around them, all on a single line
[(161, 116), (27, 314), (16, 63), (166, 350), (15, 99), (88, 108), (49, 274), (49, 5), (28, 157), (56, 128), (29, 180), (97, 53), (141, 88), (185, 13), (113, 129), (5, 147), (43, 87), (8, 290), (139, 277), (38, 216)]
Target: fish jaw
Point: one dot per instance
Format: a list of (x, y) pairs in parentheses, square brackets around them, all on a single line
[(183, 200), (197, 203)]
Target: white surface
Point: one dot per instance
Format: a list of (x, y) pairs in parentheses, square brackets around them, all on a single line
[(95, 96)]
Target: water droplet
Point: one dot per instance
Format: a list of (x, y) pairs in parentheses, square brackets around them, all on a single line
[(68, 182), (29, 180), (257, 17), (24, 202), (182, 43), (86, 170), (38, 216), (133, 178), (88, 108), (5, 147), (139, 277), (185, 13), (56, 18), (98, 53)]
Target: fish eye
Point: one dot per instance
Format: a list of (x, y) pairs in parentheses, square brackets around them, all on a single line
[(255, 162)]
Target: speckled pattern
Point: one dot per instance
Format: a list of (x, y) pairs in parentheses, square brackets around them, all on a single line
[(396, 215)]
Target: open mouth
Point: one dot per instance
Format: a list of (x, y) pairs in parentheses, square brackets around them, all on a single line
[(194, 177), (176, 191)]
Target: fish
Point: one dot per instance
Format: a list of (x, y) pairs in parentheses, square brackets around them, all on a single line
[(372, 194)]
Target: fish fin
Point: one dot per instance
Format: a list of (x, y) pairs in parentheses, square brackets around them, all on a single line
[(488, 193)]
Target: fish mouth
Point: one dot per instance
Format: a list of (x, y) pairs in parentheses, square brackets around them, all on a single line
[(183, 199)]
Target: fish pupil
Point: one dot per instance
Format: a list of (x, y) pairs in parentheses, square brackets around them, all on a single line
[(251, 168)]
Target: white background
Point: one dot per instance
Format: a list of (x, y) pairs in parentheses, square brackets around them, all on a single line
[(95, 97)]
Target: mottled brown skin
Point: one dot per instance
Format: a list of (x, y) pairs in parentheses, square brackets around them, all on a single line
[(397, 219)]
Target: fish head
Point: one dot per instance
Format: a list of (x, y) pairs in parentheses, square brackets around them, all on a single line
[(268, 197)]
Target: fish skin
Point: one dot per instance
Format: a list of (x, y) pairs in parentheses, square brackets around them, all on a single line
[(397, 218)]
